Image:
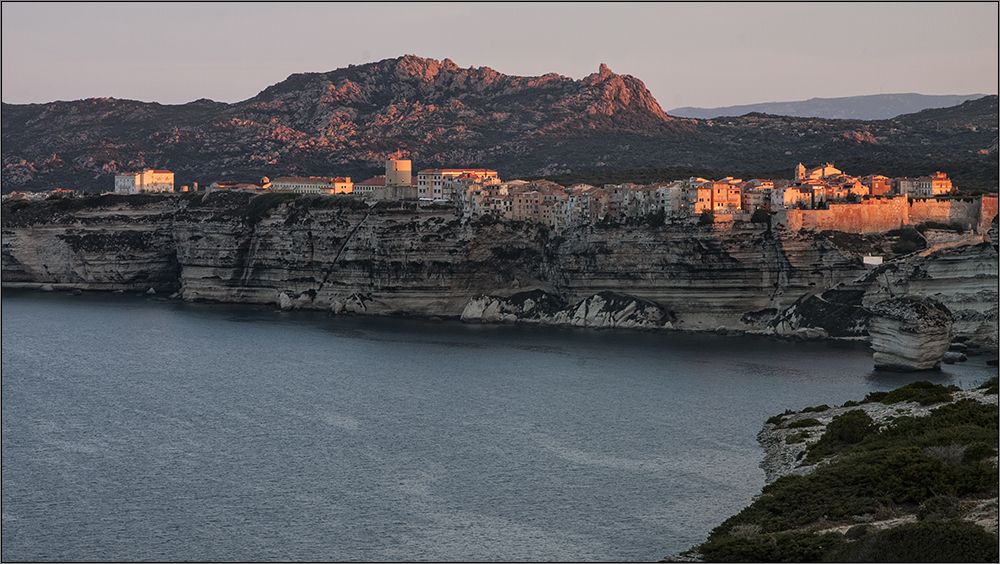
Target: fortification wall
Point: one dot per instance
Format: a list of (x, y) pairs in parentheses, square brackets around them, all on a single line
[(987, 211), (877, 215), (964, 212), (870, 216)]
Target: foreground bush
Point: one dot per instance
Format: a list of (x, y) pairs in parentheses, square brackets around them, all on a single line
[(926, 541)]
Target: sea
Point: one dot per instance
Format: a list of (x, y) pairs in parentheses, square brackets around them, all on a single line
[(137, 428)]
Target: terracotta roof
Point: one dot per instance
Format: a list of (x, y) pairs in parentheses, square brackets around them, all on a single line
[(374, 181)]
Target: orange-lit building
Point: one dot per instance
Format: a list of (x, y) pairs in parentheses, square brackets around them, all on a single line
[(148, 180)]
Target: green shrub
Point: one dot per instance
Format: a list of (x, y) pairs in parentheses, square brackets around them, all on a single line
[(926, 541), (922, 392), (792, 546), (816, 409), (857, 531), (990, 386), (801, 423), (978, 451), (707, 217), (845, 430), (873, 397), (851, 403), (796, 437), (776, 419), (938, 508)]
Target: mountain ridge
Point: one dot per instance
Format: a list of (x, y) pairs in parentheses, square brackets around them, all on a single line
[(865, 107), (346, 122)]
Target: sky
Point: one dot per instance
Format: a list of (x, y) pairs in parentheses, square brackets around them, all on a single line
[(688, 54)]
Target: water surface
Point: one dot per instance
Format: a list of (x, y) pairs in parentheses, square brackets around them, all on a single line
[(137, 429)]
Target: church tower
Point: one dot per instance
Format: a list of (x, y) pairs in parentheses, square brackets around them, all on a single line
[(800, 173)]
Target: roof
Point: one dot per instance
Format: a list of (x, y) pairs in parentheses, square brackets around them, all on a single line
[(374, 181), (314, 179)]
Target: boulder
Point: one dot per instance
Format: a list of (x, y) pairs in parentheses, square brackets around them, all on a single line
[(909, 333)]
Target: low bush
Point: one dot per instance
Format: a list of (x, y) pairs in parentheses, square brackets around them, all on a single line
[(925, 541), (816, 409), (858, 531), (909, 240), (873, 397), (922, 392), (796, 437), (953, 454), (776, 419), (802, 423), (978, 451), (845, 430), (938, 508), (990, 387), (792, 546)]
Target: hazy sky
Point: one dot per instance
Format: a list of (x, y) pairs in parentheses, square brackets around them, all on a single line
[(688, 54)]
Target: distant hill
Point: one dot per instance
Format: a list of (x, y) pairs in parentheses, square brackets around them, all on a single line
[(346, 122), (876, 106)]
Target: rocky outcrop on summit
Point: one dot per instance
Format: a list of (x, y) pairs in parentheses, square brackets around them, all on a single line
[(347, 121), (909, 333)]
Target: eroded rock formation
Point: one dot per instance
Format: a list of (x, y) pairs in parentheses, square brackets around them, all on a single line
[(909, 333), (605, 310)]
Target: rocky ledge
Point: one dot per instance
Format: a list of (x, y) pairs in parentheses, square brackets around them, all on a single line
[(604, 310)]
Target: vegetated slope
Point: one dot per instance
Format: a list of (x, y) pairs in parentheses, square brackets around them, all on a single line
[(872, 107), (907, 475), (348, 121)]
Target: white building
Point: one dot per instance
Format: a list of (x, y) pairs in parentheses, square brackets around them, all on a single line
[(148, 180), (313, 185)]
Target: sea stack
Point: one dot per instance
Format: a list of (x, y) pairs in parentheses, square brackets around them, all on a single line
[(909, 333)]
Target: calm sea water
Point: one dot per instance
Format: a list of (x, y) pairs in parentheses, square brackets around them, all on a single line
[(136, 429)]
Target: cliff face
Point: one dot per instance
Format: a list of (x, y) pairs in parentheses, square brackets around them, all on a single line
[(338, 255), (121, 245)]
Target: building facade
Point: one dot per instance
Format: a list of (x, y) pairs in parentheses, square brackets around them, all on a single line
[(148, 180)]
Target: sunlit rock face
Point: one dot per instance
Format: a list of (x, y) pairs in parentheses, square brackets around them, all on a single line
[(909, 333)]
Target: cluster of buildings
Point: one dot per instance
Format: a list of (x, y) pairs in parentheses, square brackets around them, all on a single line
[(478, 192)]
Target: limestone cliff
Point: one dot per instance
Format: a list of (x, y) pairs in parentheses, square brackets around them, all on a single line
[(910, 333), (337, 254)]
